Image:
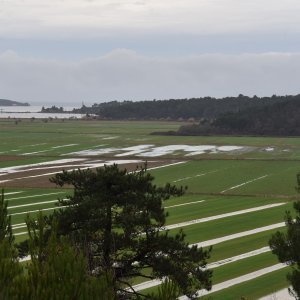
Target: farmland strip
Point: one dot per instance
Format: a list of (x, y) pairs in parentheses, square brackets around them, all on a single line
[(12, 193), (44, 209), (32, 204), (237, 280), (62, 146), (108, 163), (183, 204), (155, 282), (239, 234), (244, 183), (169, 165), (212, 218), (198, 175), (34, 196)]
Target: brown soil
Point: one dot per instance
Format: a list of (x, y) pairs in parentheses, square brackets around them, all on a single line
[(12, 157), (22, 179)]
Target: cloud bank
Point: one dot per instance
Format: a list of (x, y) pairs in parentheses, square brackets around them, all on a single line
[(65, 18), (124, 74)]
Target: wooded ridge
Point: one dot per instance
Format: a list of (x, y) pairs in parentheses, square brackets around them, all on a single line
[(179, 109), (278, 119)]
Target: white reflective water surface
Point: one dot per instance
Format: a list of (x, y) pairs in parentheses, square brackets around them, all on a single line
[(27, 112)]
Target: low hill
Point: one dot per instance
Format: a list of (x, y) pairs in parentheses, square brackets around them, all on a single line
[(5, 102), (278, 119), (177, 109)]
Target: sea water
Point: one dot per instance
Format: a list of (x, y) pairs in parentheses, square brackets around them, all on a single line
[(28, 112)]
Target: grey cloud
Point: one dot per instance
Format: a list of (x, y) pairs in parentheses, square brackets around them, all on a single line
[(41, 18), (124, 74)]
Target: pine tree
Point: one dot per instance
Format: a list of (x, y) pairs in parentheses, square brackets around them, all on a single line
[(10, 270), (5, 221), (117, 218), (58, 270), (286, 246)]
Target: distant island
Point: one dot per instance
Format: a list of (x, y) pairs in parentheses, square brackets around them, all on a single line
[(52, 110), (5, 102)]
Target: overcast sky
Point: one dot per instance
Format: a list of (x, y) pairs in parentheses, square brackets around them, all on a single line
[(69, 51)]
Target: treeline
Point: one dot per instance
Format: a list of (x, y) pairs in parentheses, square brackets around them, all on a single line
[(178, 109), (52, 109), (278, 119)]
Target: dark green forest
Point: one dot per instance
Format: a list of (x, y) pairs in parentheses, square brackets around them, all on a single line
[(279, 119), (179, 109), (52, 109)]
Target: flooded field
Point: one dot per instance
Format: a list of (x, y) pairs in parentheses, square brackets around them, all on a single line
[(238, 187)]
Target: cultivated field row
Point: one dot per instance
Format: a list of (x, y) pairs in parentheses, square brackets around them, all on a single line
[(235, 200), (195, 227)]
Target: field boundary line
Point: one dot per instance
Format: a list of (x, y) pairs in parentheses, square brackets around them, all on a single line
[(213, 265), (183, 204), (293, 197), (12, 193), (45, 163), (280, 294), (32, 204), (31, 211), (229, 283), (238, 235), (222, 216), (197, 175), (35, 196), (244, 183), (19, 226), (168, 165)]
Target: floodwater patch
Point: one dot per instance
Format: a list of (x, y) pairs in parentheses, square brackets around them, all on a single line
[(35, 152), (93, 152), (191, 150), (82, 165), (110, 138), (134, 150), (63, 146), (153, 151), (20, 168)]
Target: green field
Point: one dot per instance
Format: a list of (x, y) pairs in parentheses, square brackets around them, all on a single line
[(218, 183)]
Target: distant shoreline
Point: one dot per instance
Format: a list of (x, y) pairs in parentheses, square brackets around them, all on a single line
[(11, 103)]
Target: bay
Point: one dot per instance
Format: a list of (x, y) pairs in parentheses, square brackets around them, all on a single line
[(28, 112)]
